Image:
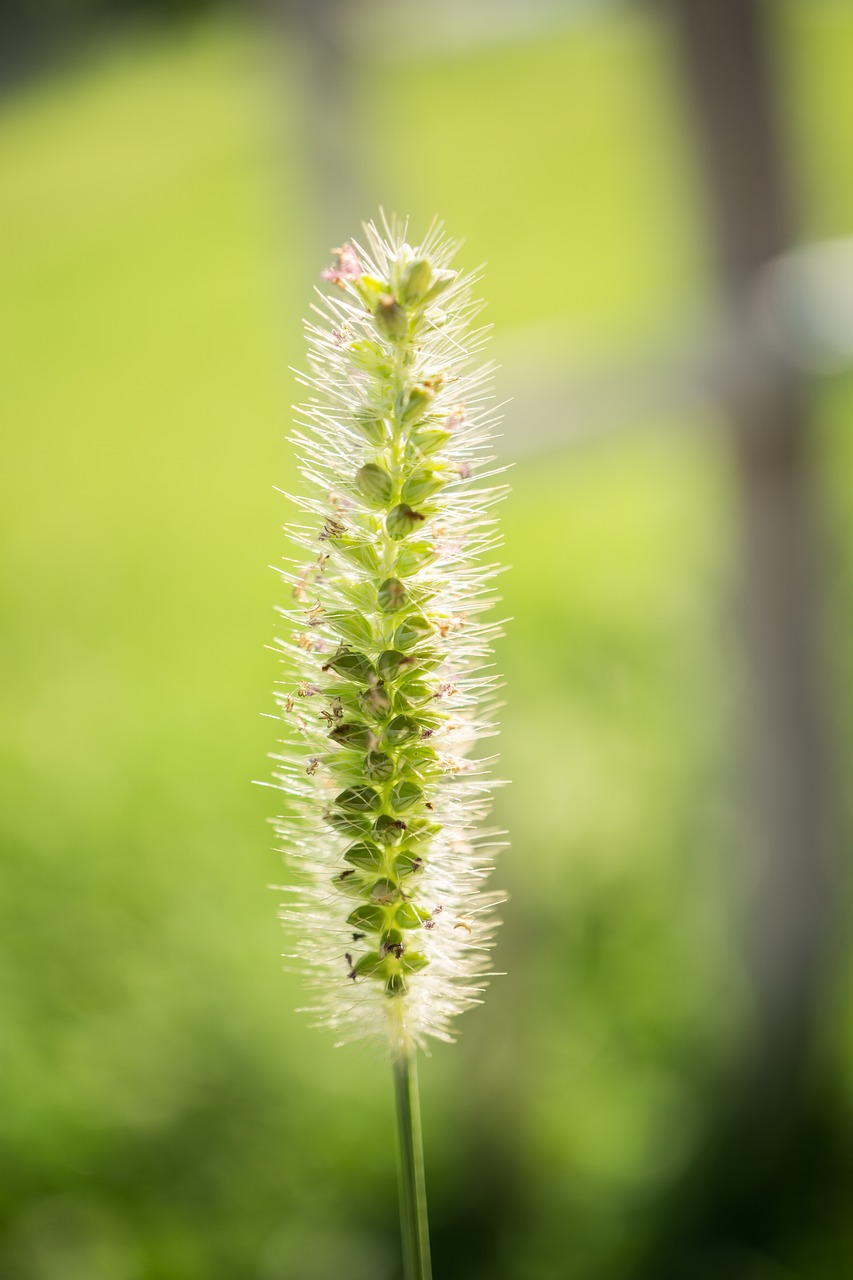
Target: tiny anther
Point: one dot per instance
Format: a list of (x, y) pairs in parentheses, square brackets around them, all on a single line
[(448, 625), (332, 529), (334, 714)]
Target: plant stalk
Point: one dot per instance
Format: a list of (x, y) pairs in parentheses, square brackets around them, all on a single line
[(413, 1205)]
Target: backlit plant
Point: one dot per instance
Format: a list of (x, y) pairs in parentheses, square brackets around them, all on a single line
[(387, 687)]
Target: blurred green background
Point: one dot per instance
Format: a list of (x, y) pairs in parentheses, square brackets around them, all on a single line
[(165, 1114)]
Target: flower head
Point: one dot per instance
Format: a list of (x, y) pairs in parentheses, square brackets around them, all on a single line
[(386, 690)]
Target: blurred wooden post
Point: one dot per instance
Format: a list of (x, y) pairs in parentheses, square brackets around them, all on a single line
[(790, 917), (313, 35), (752, 1140)]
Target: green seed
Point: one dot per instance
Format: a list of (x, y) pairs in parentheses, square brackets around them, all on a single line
[(351, 665), (422, 484), (350, 734), (369, 964), (368, 917), (391, 596), (406, 864), (402, 729), (374, 702), (422, 758), (358, 800), (414, 556), (384, 892), (373, 429), (388, 830), (361, 554), (414, 695), (369, 356), (401, 521), (411, 632), (391, 663), (409, 916), (430, 439), (349, 824), (416, 281), (378, 766), (404, 796), (411, 407), (392, 320), (351, 626), (363, 855), (374, 484)]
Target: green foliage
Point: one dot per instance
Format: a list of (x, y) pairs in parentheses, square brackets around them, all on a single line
[(165, 1117)]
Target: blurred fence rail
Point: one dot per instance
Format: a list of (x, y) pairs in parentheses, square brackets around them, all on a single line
[(796, 320)]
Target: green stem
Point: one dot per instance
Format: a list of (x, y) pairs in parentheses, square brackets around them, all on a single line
[(413, 1206)]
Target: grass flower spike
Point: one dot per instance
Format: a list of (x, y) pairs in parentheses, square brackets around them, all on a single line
[(386, 686)]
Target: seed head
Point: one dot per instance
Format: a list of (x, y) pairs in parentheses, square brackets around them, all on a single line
[(385, 693)]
